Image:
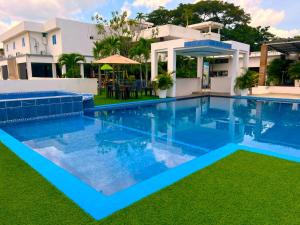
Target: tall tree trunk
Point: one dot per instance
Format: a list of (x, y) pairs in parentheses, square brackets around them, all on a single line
[(141, 74), (146, 73)]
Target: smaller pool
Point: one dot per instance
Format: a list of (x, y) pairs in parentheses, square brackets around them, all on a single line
[(21, 106)]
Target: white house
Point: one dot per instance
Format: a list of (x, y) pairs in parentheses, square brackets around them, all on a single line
[(31, 49), (200, 40)]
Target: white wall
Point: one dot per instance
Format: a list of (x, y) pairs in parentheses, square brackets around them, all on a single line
[(76, 36), (18, 43), (220, 84), (186, 86), (50, 84)]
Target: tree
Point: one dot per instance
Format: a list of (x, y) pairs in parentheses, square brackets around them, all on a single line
[(254, 36), (106, 47), (71, 61), (160, 16), (294, 71), (277, 71), (141, 50)]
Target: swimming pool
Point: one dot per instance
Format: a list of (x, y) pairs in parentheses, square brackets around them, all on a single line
[(115, 156), (22, 106)]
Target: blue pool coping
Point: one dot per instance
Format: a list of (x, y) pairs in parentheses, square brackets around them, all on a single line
[(99, 205)]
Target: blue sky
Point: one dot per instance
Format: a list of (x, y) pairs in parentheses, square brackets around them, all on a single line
[(281, 15)]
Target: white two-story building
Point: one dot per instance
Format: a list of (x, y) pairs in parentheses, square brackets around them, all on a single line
[(31, 49)]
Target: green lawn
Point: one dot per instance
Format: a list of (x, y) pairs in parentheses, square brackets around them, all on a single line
[(102, 100), (244, 188)]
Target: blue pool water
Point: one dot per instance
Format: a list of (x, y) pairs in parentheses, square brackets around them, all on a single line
[(114, 149)]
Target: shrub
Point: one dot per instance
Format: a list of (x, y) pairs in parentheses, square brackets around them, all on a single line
[(246, 81), (164, 81), (294, 71)]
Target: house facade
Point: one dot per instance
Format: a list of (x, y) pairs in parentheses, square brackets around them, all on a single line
[(31, 49)]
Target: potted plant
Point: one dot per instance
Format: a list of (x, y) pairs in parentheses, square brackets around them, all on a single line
[(294, 73), (164, 82), (244, 83)]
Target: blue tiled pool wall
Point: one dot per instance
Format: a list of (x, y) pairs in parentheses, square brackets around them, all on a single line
[(33, 94), (15, 110)]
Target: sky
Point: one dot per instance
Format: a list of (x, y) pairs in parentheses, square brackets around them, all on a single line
[(281, 15)]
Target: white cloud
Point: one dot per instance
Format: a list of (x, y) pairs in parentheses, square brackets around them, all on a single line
[(260, 16), (285, 33), (39, 10), (126, 8), (152, 4), (265, 17)]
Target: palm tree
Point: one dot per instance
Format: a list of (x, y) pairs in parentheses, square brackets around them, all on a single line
[(141, 51), (187, 14), (106, 47), (71, 61)]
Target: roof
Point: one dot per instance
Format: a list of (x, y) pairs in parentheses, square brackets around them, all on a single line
[(286, 46), (203, 25), (116, 59)]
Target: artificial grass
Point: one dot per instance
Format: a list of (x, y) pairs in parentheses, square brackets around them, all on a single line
[(102, 100), (244, 188)]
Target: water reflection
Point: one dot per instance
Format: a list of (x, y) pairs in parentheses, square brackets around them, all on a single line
[(115, 149)]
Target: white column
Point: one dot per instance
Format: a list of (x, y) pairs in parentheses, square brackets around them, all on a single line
[(1, 73), (81, 70), (63, 69), (54, 74), (172, 68), (29, 70), (231, 127), (199, 67), (199, 72), (245, 61), (234, 70), (154, 66)]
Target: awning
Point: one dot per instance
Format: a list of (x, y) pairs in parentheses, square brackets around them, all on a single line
[(116, 59), (205, 48), (285, 46)]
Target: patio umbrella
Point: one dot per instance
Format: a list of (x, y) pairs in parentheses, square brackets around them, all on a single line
[(106, 67), (116, 60)]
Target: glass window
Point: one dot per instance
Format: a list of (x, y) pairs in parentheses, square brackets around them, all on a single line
[(54, 39), (14, 45), (7, 48), (23, 41)]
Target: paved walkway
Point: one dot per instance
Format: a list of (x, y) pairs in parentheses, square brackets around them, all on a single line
[(273, 95)]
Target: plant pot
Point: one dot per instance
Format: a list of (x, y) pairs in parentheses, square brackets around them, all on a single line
[(297, 83), (162, 93), (243, 92)]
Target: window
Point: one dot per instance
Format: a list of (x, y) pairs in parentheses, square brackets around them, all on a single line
[(23, 42), (6, 48), (54, 39), (14, 45)]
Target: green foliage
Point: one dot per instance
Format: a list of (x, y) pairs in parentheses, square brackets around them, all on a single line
[(246, 81), (106, 47), (141, 50), (72, 73), (165, 81), (254, 36), (294, 71), (71, 60), (276, 69), (186, 67)]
